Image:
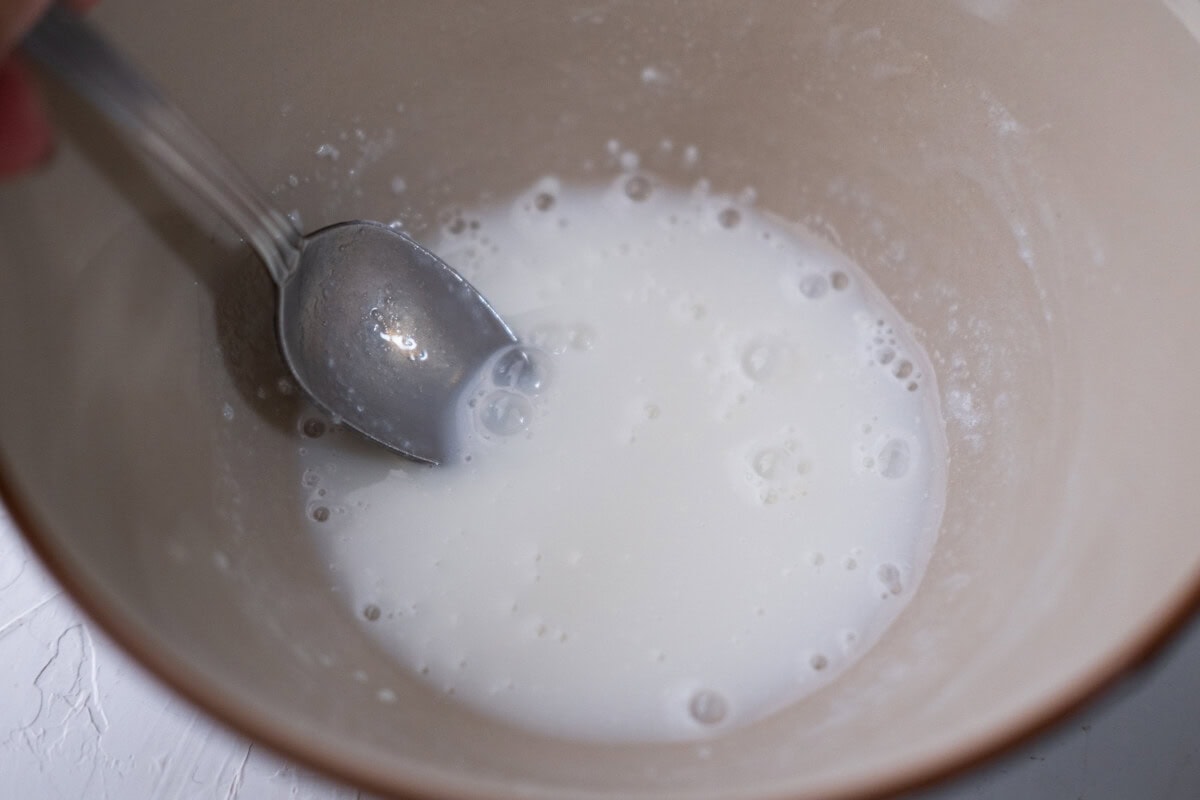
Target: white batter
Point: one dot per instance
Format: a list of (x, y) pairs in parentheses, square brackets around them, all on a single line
[(717, 483)]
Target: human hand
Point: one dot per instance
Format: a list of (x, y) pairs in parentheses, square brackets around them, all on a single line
[(26, 138)]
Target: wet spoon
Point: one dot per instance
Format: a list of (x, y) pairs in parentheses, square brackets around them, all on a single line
[(380, 333)]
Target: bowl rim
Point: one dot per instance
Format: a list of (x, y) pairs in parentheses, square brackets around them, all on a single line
[(423, 784)]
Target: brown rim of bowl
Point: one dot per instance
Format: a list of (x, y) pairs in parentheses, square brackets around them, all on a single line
[(433, 784)]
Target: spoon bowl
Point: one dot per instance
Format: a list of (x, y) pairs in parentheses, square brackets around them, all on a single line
[(386, 337), (380, 333)]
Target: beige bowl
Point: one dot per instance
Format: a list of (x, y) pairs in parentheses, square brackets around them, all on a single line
[(1020, 177)]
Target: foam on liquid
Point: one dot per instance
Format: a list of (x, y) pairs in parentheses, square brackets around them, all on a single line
[(714, 486)]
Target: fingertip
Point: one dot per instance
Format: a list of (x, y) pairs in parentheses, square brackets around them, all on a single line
[(26, 137)]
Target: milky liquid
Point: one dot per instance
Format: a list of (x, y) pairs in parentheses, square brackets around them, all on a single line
[(714, 486)]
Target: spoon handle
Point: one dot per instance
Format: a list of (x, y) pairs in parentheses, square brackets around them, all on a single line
[(72, 49)]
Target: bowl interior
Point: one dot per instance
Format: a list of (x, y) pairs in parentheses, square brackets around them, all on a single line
[(1019, 178)]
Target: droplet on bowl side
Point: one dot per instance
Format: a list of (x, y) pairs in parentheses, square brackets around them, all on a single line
[(313, 428), (729, 218), (638, 188)]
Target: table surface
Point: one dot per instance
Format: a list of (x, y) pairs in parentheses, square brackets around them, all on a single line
[(80, 721)]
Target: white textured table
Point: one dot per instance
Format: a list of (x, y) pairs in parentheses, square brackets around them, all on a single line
[(80, 721)]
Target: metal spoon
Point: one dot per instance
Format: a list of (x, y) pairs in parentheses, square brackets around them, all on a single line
[(379, 332)]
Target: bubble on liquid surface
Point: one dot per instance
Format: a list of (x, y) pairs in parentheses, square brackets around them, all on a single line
[(371, 612), (840, 281), (552, 338), (505, 413), (894, 459), (814, 286), (543, 201), (889, 576), (321, 513), (818, 662), (766, 463), (689, 309), (582, 337), (522, 369), (708, 707), (760, 360)]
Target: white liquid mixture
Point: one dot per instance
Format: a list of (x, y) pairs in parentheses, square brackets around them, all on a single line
[(725, 489)]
